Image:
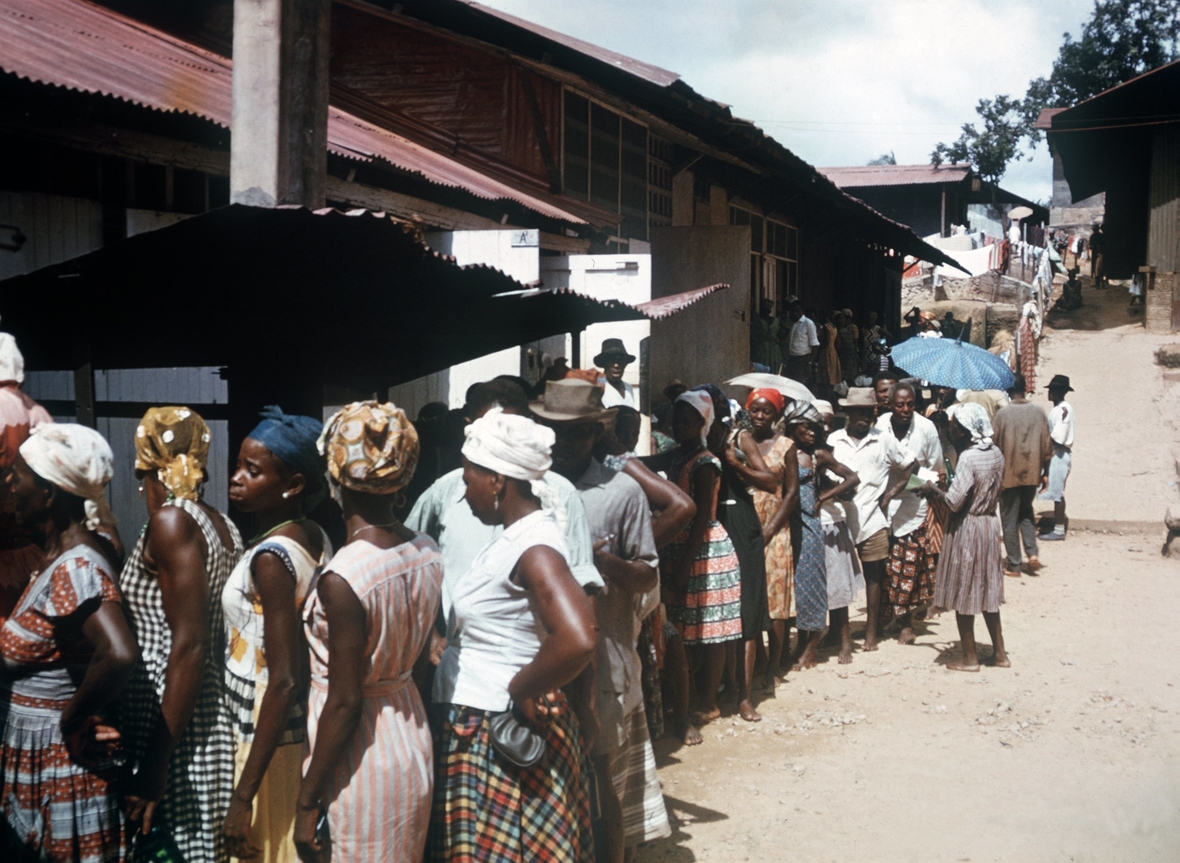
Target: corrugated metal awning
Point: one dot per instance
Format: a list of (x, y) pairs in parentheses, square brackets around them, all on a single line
[(864, 176), (665, 307), (85, 47)]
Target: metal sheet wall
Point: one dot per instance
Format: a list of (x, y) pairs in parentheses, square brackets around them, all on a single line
[(193, 386), (56, 228), (472, 94), (1163, 227)]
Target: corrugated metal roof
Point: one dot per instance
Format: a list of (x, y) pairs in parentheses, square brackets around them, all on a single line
[(638, 68), (862, 176), (82, 46), (665, 307)]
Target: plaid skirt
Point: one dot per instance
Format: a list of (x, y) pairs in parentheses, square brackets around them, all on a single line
[(487, 810)]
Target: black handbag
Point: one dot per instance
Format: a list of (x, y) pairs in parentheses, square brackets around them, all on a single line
[(514, 739)]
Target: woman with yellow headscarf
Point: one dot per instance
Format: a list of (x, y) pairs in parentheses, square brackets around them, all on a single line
[(178, 733), (368, 622)]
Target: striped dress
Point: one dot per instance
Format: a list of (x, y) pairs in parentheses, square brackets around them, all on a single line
[(53, 808), (201, 770), (380, 795), (710, 611), (970, 576)]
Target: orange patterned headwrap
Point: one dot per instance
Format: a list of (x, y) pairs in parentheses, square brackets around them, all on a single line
[(773, 396), (370, 447)]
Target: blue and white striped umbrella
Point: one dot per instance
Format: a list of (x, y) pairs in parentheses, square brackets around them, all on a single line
[(952, 363)]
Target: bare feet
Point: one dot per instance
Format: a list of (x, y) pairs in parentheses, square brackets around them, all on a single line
[(870, 644), (1034, 564), (1001, 660), (961, 666), (846, 654), (906, 636), (704, 717), (692, 737), (1012, 574), (748, 713)]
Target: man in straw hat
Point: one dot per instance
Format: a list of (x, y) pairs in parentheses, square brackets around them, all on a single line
[(613, 359), (625, 554), (877, 459)]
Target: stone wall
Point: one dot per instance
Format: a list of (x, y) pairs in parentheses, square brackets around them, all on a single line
[(1159, 303)]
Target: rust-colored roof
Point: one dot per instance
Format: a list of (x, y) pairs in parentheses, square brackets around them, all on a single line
[(82, 46), (1045, 118), (638, 68), (665, 307), (862, 176)]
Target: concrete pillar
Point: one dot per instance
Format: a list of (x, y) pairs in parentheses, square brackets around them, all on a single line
[(279, 139)]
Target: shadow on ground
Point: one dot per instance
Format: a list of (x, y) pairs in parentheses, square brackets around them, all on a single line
[(1102, 309)]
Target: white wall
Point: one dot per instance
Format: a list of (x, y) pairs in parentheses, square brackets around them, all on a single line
[(516, 253), (56, 229)]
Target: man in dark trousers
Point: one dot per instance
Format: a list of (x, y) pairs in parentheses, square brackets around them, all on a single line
[(1097, 246), (1021, 431)]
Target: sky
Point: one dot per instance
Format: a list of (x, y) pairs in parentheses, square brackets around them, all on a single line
[(839, 82)]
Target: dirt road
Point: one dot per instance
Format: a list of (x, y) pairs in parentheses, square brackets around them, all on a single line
[(1073, 754)]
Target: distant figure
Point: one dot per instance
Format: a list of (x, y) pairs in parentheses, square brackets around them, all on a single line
[(1061, 428), (802, 345), (769, 334), (613, 359), (1097, 263), (1022, 435)]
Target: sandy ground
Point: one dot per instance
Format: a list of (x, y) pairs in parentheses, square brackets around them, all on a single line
[(1070, 755)]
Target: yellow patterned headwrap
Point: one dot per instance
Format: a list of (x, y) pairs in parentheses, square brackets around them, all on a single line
[(370, 447), (174, 442)]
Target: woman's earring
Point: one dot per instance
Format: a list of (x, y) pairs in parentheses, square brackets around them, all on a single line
[(141, 489), (286, 495), (496, 503)]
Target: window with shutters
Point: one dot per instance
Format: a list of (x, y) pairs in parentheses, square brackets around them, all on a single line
[(605, 160), (774, 256)]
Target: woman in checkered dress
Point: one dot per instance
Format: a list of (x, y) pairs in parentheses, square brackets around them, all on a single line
[(520, 628), (177, 725)]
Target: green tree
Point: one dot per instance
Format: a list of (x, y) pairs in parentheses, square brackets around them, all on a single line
[(1122, 39), (884, 159)]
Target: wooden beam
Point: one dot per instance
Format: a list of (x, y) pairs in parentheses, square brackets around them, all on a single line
[(530, 98), (407, 206)]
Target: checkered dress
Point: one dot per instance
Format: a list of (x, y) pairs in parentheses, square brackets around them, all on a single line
[(201, 771), (489, 811)]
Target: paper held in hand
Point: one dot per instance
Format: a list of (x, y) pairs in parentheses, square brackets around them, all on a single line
[(923, 476)]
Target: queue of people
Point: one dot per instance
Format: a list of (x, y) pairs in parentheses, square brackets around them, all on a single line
[(483, 680)]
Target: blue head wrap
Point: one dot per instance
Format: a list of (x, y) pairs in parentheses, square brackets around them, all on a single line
[(292, 439)]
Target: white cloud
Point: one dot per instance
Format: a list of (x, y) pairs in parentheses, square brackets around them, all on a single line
[(842, 81)]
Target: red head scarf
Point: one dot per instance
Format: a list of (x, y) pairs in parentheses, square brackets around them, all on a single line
[(773, 396)]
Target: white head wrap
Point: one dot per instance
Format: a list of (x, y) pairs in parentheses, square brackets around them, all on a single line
[(515, 447), (973, 418), (12, 361), (701, 402), (76, 459)]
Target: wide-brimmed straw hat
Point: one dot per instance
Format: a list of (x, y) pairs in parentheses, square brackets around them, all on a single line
[(613, 348), (860, 397), (570, 400)]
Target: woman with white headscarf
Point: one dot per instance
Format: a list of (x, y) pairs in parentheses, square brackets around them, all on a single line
[(520, 627), (66, 652), (970, 577)]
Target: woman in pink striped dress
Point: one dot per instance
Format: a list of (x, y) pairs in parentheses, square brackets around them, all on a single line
[(368, 622)]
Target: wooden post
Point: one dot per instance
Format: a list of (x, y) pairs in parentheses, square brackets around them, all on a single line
[(942, 220), (84, 396), (279, 153)]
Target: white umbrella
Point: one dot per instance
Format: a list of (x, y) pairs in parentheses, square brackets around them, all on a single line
[(759, 380), (1018, 213)]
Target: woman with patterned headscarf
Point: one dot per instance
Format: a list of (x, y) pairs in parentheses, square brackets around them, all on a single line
[(970, 576), (178, 733), (520, 628), (66, 652), (279, 478), (368, 621)]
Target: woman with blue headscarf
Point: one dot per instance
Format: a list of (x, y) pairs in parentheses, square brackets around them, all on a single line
[(279, 478)]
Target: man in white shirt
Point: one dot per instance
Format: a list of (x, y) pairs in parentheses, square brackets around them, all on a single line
[(625, 553), (613, 359), (443, 513), (878, 460), (1061, 420), (911, 562), (802, 344)]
